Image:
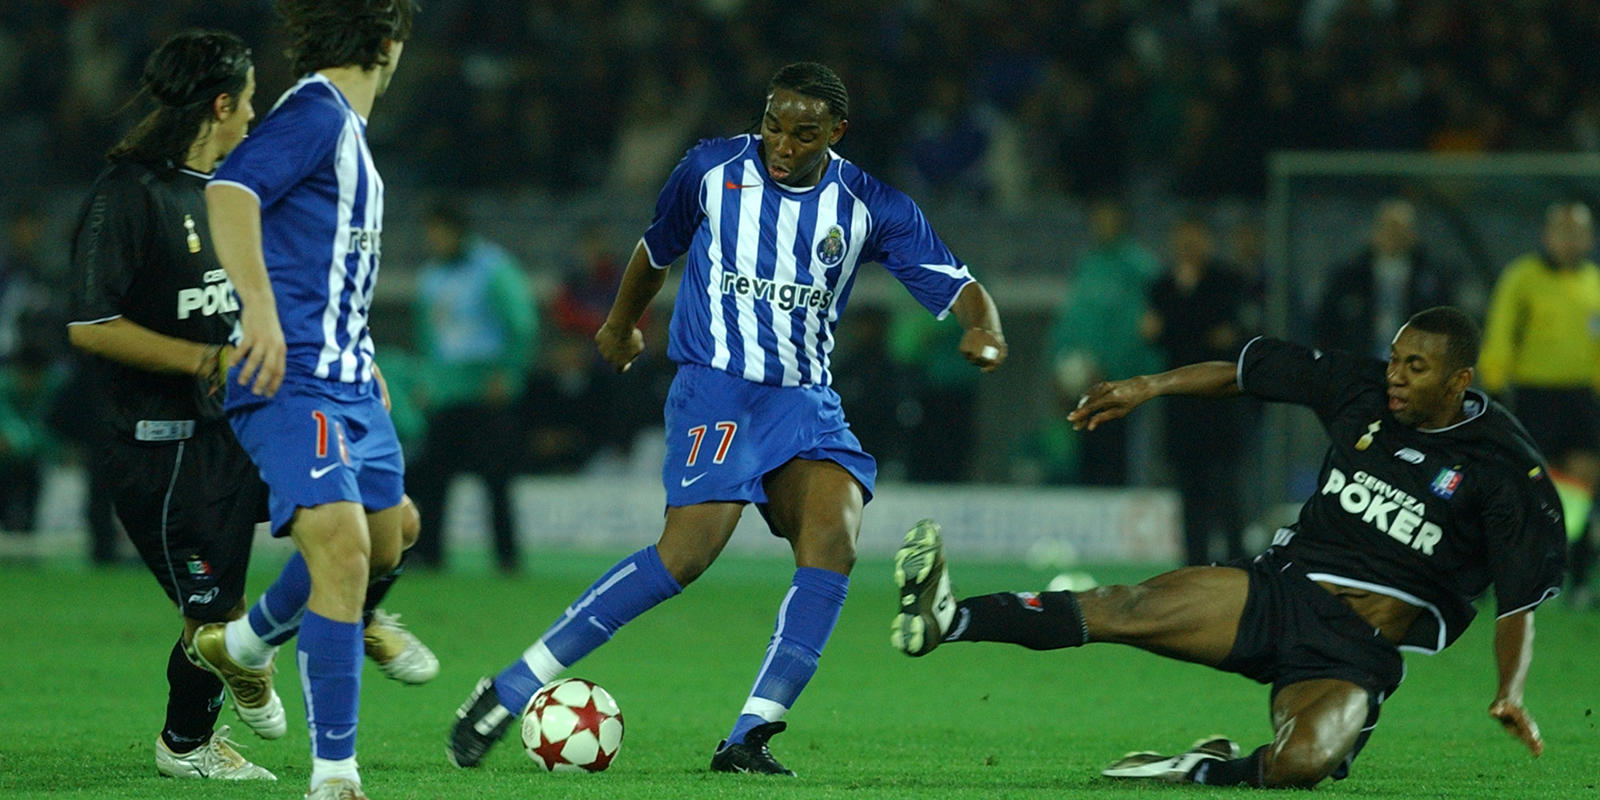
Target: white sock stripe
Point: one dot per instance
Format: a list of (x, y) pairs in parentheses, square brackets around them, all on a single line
[(542, 662), (491, 719), (589, 597), (764, 708), (777, 638), (301, 659)]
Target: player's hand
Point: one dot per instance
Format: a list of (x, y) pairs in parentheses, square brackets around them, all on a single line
[(1519, 723), (261, 349), (985, 349), (1106, 401), (383, 387), (619, 345)]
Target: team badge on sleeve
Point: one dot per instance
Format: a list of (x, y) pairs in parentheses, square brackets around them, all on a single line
[(830, 248), (1446, 482)]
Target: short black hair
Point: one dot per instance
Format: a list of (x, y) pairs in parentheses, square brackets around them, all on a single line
[(343, 33), (813, 80), (1463, 337), (184, 75)]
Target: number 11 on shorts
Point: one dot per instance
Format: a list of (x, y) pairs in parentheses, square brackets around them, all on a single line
[(728, 428)]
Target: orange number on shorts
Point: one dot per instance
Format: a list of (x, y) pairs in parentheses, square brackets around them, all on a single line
[(322, 433), (728, 428)]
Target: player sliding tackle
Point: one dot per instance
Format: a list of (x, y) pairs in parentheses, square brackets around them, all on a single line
[(774, 227), (1429, 493)]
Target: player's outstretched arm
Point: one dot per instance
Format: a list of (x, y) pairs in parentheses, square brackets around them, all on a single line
[(619, 339), (236, 233), (984, 343), (127, 342), (1111, 400), (1513, 654)]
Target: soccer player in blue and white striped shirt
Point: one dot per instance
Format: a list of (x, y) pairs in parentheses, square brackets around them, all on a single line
[(775, 226), (297, 217)]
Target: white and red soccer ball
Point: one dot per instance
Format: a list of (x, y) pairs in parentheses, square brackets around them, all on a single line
[(572, 725)]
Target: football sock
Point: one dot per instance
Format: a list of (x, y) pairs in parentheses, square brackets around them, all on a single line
[(275, 617), (194, 698), (630, 588), (330, 676), (1042, 621), (380, 588), (805, 621), (1245, 770), (245, 646)]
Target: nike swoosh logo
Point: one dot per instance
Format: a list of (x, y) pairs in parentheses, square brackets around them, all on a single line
[(317, 473), (690, 481), (737, 186), (347, 734)]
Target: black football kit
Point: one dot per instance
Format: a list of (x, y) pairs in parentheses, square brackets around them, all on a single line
[(185, 490), (1430, 517)]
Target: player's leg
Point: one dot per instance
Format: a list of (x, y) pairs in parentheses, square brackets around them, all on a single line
[(397, 652), (816, 505), (1318, 726), (190, 744), (1190, 614), (693, 537), (336, 544)]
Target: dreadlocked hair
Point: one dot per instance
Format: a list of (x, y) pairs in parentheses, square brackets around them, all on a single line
[(343, 33), (183, 76), (813, 80)]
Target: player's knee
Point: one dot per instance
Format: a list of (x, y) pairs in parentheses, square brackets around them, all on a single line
[(1299, 765), (410, 523)]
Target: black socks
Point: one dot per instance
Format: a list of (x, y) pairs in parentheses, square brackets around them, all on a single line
[(380, 587), (1042, 621), (1246, 771), (194, 698)]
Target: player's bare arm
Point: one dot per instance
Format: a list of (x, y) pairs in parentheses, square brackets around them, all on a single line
[(127, 342), (984, 343), (1111, 400), (1513, 653), (619, 339), (235, 216)]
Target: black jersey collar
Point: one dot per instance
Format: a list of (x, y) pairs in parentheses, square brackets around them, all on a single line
[(1475, 404)]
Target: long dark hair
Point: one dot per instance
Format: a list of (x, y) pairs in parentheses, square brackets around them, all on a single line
[(183, 76), (343, 33)]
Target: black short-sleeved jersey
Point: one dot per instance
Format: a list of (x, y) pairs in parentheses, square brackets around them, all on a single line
[(1431, 517), (142, 251)]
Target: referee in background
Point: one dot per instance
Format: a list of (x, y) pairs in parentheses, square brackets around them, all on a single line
[(153, 307)]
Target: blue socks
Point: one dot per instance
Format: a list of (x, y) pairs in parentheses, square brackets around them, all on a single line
[(633, 586), (805, 621), (330, 675), (276, 615)]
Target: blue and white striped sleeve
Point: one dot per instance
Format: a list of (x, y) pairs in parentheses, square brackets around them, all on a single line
[(291, 143), (906, 245)]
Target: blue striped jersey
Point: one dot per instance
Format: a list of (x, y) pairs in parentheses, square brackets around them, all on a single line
[(321, 201), (770, 267)]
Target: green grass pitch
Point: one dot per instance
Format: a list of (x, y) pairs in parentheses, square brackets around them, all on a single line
[(83, 690)]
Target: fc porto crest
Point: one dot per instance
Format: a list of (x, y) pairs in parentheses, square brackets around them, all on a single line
[(830, 248)]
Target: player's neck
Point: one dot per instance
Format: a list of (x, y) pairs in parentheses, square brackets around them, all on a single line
[(359, 86), (203, 154)]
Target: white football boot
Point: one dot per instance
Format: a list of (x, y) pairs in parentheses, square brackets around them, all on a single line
[(216, 758), (398, 652)]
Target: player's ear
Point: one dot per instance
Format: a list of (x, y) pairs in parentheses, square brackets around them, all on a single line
[(1462, 379), (838, 131)]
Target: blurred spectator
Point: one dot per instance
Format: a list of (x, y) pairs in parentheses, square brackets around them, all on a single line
[(1541, 346), (28, 303), (1369, 297), (874, 388), (28, 383), (1096, 334), (1199, 311), (563, 413), (476, 327), (584, 297), (941, 426)]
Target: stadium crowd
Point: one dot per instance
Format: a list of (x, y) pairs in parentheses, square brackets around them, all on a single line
[(994, 101)]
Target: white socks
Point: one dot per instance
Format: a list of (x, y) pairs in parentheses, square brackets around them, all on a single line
[(245, 646), (323, 769)]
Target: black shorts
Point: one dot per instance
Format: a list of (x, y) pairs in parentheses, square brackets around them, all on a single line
[(1293, 630), (191, 508), (1559, 420)]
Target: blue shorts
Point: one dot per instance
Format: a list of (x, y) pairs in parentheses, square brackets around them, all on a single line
[(318, 442), (724, 434)]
